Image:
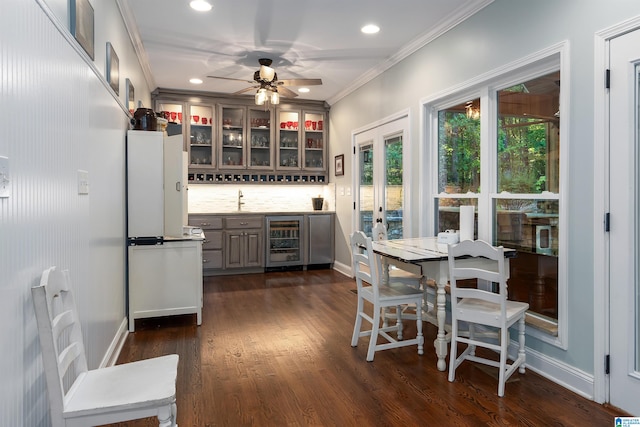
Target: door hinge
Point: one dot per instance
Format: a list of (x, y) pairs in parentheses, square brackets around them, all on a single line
[(607, 364), (354, 206), (607, 79), (354, 150), (607, 222)]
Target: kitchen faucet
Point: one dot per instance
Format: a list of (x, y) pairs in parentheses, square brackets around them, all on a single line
[(240, 203)]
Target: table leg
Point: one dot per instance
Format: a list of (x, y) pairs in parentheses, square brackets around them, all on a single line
[(441, 340)]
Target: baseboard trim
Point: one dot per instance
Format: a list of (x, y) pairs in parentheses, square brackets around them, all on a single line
[(560, 373), (113, 352), (342, 268)]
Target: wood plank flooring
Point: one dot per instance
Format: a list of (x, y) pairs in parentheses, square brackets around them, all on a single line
[(274, 350)]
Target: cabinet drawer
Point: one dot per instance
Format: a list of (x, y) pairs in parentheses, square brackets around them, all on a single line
[(206, 222), (213, 240), (244, 222), (211, 259)]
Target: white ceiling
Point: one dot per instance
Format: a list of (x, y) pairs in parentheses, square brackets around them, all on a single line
[(305, 39)]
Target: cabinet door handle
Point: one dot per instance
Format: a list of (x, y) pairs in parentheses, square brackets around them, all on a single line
[(204, 224), (204, 261), (178, 186), (244, 223), (205, 241)]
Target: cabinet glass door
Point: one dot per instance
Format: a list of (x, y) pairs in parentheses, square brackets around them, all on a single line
[(233, 141), (200, 136), (313, 141), (260, 139), (173, 113), (288, 144)]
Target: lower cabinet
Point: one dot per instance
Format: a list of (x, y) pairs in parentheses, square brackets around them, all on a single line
[(244, 249)]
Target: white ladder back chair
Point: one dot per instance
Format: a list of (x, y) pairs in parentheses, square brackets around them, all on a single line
[(477, 306), (366, 268), (82, 397), (399, 275)]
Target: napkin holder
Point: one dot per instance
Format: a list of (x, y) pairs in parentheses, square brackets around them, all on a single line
[(449, 237)]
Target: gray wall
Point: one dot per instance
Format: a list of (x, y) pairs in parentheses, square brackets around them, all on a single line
[(58, 116), (503, 32)]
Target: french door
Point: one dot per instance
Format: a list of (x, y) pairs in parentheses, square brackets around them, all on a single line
[(380, 178), (624, 192)]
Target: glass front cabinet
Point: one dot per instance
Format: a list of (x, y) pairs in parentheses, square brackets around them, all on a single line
[(237, 141), (201, 146)]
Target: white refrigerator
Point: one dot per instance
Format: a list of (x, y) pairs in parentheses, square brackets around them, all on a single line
[(164, 255)]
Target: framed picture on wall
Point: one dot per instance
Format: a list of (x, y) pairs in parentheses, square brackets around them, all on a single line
[(81, 24), (130, 96), (339, 165), (113, 65)]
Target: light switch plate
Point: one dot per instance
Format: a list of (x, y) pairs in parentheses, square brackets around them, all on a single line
[(5, 178), (83, 182)]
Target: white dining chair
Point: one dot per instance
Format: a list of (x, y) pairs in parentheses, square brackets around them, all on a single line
[(480, 306), (81, 397), (397, 275), (371, 289)]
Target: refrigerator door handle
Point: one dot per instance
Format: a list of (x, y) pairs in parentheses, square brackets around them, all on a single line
[(178, 186)]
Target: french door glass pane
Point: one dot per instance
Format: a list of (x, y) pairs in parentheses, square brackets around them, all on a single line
[(459, 148), (365, 160), (393, 187)]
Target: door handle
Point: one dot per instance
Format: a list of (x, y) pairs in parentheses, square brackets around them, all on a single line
[(178, 186)]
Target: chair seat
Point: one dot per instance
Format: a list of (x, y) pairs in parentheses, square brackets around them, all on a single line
[(101, 390), (391, 292), (514, 309)]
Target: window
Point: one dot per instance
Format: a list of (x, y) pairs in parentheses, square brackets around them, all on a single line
[(500, 152)]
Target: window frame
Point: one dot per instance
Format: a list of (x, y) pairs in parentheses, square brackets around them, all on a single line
[(486, 87)]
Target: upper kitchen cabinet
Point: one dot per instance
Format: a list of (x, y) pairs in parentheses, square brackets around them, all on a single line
[(201, 142), (301, 141), (313, 152), (232, 137), (260, 139), (288, 153), (173, 112)]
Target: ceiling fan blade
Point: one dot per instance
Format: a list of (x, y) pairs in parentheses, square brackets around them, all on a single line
[(299, 82), (283, 91), (245, 90), (229, 78)]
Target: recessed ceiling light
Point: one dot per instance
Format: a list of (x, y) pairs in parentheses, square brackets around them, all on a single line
[(370, 29), (303, 90), (195, 81), (201, 5)]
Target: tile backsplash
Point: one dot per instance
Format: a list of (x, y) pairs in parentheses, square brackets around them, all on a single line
[(221, 198)]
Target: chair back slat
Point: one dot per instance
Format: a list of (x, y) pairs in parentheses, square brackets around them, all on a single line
[(363, 256), (60, 336), (463, 265)]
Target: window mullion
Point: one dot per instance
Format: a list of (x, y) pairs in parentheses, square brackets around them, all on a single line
[(488, 124)]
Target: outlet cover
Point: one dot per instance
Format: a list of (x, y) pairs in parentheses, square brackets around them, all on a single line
[(83, 182), (5, 178)]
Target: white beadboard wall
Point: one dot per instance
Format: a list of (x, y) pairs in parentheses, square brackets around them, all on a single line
[(57, 116)]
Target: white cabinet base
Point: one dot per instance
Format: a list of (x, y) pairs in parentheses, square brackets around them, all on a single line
[(165, 280)]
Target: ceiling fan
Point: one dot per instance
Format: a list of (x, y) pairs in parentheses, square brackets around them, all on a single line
[(266, 81)]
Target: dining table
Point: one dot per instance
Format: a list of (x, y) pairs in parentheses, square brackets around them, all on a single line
[(432, 260)]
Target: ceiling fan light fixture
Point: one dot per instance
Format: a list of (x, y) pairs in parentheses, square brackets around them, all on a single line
[(370, 29), (267, 73), (275, 97), (200, 5), (261, 96)]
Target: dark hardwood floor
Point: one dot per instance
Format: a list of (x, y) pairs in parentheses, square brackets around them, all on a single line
[(274, 350)]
